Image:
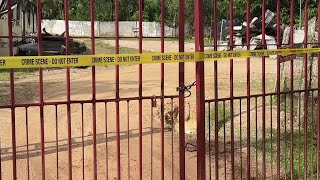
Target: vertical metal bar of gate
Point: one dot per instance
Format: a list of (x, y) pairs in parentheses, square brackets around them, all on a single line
[(291, 93), (116, 11), (199, 47), (12, 94), (263, 91), (306, 91), (94, 118), (181, 93), (162, 87), (140, 100), (39, 20), (231, 93), (66, 17), (318, 131), (278, 92), (248, 90)]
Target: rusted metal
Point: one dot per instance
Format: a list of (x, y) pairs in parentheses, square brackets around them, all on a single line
[(292, 94), (271, 137), (93, 82), (248, 19), (199, 47), (306, 93), (27, 138), (66, 17), (151, 144), (318, 120), (264, 91), (128, 137), (209, 132), (181, 93), (231, 159), (256, 131), (278, 94), (162, 87), (224, 140), (117, 48), (140, 14), (241, 173), (82, 139), (231, 93)]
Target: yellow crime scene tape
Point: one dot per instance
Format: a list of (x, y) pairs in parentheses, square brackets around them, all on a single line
[(14, 62)]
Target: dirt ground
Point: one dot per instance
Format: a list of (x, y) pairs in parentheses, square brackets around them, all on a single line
[(55, 122)]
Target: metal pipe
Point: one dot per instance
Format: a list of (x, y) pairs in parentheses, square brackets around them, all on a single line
[(248, 90), (140, 102), (278, 94), (94, 123), (181, 94), (199, 47)]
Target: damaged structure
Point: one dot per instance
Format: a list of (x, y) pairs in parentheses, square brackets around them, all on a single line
[(24, 22), (239, 35)]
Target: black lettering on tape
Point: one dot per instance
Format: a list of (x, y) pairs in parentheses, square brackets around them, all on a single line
[(72, 60), (108, 59), (41, 61), (134, 58), (96, 60), (27, 62), (2, 62), (189, 56), (166, 57), (126, 59), (208, 56), (156, 58)]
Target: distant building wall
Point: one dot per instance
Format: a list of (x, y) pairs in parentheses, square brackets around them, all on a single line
[(107, 28)]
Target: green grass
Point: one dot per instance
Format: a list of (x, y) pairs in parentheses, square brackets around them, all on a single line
[(18, 74), (223, 115), (104, 48), (298, 168)]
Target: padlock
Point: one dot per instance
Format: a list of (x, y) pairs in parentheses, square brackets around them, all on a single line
[(154, 103)]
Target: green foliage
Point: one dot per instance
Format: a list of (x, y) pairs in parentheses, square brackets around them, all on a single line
[(128, 10)]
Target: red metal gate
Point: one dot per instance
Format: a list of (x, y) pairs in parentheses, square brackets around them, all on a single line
[(234, 139)]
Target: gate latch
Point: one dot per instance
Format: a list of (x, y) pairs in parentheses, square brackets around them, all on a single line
[(186, 89)]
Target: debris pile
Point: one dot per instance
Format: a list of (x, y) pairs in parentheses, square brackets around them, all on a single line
[(239, 35)]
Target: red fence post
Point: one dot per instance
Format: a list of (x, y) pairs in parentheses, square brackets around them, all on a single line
[(306, 91), (39, 19), (162, 87), (12, 94), (181, 94), (278, 93), (116, 11), (264, 91), (291, 92), (318, 137), (199, 47), (231, 93), (94, 118), (248, 92), (66, 17), (140, 101)]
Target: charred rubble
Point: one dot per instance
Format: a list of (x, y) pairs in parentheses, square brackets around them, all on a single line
[(239, 35), (51, 45)]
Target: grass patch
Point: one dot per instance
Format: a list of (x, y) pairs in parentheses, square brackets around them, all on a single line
[(223, 112), (18, 73), (207, 41), (104, 48), (298, 152)]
